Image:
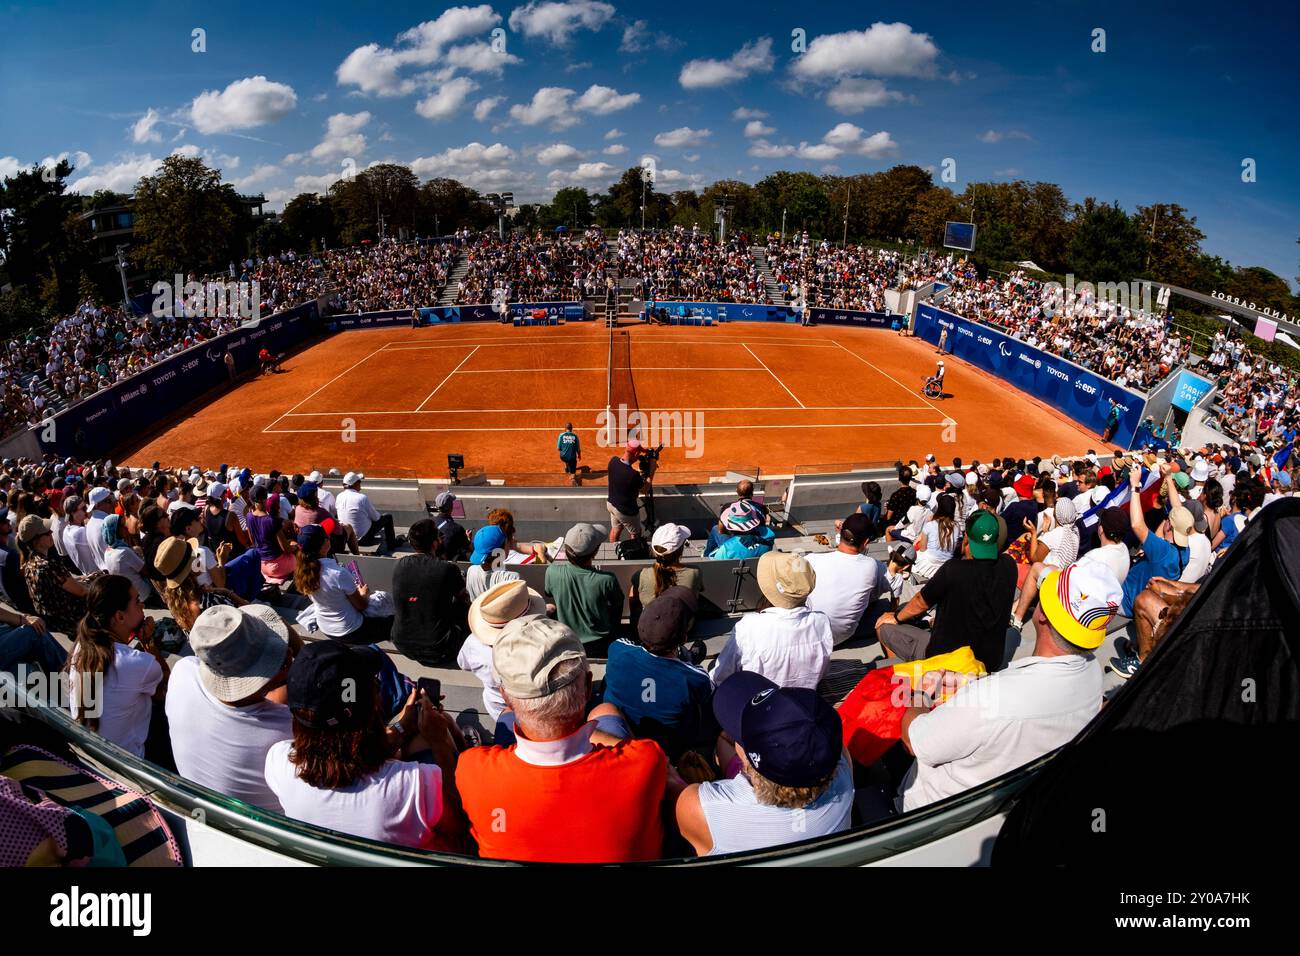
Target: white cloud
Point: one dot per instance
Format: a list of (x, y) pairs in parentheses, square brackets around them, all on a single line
[(343, 136), (485, 106), (602, 100), (885, 49), (228, 162), (691, 157), (753, 57), (756, 128), (142, 131), (377, 70), (618, 149), (675, 177), (584, 173), (638, 37), (461, 162), (1009, 173), (120, 176), (745, 113), (844, 138), (854, 94), (189, 151), (258, 174), (614, 133), (252, 101), (557, 22), (79, 159), (682, 136), (447, 100), (315, 184), (559, 154), (550, 104), (10, 166), (480, 58), (996, 136)]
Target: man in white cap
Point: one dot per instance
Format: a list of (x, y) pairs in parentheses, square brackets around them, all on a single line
[(355, 509), (324, 499), (997, 723), (101, 506), (226, 703), (788, 643), (1200, 475)]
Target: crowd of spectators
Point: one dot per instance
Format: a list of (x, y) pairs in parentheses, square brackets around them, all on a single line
[(689, 264), (1257, 400), (534, 268), (984, 559), (822, 275)]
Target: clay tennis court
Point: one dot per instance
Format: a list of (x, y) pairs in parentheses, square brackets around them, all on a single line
[(395, 402)]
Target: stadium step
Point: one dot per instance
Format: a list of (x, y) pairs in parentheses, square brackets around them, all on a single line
[(774, 291), (451, 290)]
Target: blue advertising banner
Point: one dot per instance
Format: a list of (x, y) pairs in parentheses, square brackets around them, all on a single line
[(1080, 394), (96, 426), (570, 311), (726, 311), (1191, 388), (874, 320)]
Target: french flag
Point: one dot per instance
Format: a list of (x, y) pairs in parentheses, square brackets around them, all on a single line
[(1123, 492)]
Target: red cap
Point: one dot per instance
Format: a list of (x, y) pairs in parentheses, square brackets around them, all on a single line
[(328, 525), (1024, 486)]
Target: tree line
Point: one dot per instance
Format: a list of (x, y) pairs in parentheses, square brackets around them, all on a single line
[(187, 219)]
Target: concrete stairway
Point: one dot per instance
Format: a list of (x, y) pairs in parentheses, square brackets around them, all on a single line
[(456, 273), (774, 291)]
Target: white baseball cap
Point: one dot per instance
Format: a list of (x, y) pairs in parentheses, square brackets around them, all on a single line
[(351, 478)]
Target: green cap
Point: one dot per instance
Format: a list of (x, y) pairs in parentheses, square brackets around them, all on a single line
[(983, 536), (1182, 479)]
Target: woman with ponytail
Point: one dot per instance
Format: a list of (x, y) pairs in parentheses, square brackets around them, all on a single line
[(339, 599), (938, 541), (668, 571), (117, 690)]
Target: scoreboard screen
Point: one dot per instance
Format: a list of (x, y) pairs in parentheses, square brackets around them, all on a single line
[(959, 235)]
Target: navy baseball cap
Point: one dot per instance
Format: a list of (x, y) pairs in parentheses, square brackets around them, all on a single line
[(331, 686), (789, 734), (311, 537)]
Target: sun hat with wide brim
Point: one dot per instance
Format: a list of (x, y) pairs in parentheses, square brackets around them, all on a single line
[(239, 650), (174, 561), (499, 605)]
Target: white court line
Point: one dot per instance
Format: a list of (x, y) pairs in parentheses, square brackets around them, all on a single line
[(924, 403), (601, 428), (570, 408), (449, 375), (326, 385), (770, 372), (617, 368)]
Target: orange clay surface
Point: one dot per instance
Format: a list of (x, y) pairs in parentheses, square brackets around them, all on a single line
[(784, 399)]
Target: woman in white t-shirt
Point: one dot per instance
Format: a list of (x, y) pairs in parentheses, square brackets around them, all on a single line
[(116, 690), (345, 770), (121, 558), (939, 540), (339, 600)]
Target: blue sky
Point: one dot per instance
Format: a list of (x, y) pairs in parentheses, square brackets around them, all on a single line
[(575, 92)]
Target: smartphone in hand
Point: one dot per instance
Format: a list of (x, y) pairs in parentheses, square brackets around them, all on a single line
[(432, 688)]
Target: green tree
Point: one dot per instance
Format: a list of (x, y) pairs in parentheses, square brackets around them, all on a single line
[(621, 206), (1106, 245), (186, 220), (801, 195), (18, 312), (271, 238), (447, 205), (309, 220), (570, 207), (41, 255), (1261, 288), (932, 208), (387, 193), (1173, 243)]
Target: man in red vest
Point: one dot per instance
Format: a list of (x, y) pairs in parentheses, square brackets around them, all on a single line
[(572, 788)]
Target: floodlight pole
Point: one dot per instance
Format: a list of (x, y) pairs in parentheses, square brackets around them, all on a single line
[(783, 225)]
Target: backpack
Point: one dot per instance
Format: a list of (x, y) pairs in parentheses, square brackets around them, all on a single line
[(634, 549)]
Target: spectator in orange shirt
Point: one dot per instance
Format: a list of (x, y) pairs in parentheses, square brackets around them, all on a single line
[(571, 788)]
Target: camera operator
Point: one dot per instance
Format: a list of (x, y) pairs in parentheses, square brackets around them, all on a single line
[(625, 484)]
